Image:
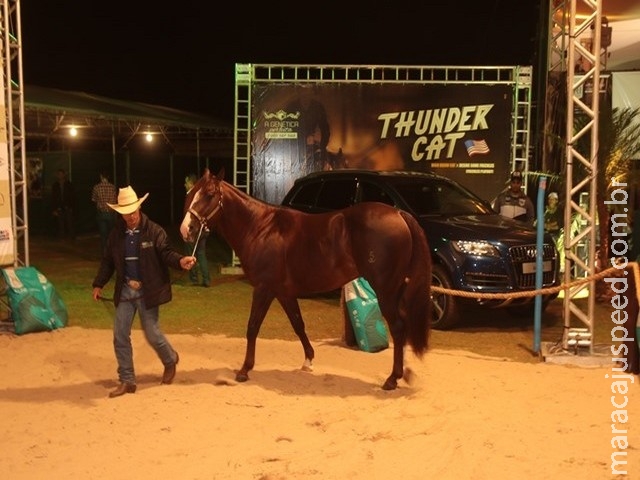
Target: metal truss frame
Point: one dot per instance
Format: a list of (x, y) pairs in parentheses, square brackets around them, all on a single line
[(565, 50), (249, 74), (15, 132)]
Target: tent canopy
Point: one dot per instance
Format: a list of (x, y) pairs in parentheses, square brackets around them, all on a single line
[(106, 123)]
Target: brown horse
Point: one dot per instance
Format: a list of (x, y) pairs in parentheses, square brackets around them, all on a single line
[(287, 254)]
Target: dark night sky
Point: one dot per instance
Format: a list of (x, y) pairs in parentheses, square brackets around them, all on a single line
[(182, 54)]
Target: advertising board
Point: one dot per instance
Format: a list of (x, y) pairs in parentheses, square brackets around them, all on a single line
[(463, 130)]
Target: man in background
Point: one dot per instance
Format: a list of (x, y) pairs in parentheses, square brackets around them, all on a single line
[(553, 225), (553, 216), (513, 202), (103, 193), (198, 250)]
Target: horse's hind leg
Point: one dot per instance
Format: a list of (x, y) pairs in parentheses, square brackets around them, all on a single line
[(399, 336), (391, 383), (259, 305), (292, 308)]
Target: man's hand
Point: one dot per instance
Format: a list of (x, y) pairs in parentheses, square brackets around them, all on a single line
[(187, 263)]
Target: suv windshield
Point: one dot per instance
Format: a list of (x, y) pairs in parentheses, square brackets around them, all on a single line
[(435, 197)]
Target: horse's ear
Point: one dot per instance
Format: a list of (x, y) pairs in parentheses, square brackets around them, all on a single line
[(221, 174)]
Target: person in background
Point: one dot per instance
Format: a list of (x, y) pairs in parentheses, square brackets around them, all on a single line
[(63, 201), (200, 250), (139, 253), (513, 202), (103, 193), (553, 223), (553, 216)]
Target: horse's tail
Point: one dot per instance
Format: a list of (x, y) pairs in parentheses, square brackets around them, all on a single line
[(415, 303)]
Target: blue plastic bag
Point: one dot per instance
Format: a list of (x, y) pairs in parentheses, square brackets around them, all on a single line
[(35, 305), (366, 318)]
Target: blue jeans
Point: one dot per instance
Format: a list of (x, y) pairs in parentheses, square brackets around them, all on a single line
[(131, 301), (202, 264)]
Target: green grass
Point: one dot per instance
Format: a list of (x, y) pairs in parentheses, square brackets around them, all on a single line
[(223, 308)]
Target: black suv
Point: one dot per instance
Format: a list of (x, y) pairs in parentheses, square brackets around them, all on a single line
[(474, 249)]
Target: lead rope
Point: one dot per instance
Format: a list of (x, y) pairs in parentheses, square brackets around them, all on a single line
[(195, 245)]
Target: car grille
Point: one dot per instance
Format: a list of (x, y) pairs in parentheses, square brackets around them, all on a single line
[(526, 254), (487, 280)]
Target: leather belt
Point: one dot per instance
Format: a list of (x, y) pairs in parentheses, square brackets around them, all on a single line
[(134, 284)]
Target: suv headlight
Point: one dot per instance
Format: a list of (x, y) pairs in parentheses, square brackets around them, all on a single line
[(477, 248)]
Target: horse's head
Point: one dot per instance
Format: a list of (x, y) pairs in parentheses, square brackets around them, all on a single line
[(202, 204)]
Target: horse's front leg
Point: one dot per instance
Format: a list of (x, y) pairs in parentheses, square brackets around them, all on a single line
[(291, 307), (260, 304), (399, 338)]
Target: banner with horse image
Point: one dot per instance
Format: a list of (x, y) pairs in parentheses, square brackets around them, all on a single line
[(461, 131)]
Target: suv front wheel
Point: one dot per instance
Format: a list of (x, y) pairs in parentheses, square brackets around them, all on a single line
[(445, 307)]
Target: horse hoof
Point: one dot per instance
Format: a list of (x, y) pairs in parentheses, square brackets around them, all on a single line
[(241, 377), (307, 366), (390, 384)]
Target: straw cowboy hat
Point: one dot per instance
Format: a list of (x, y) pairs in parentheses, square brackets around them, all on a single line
[(128, 201)]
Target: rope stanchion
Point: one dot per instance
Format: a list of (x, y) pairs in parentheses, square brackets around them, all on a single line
[(542, 291)]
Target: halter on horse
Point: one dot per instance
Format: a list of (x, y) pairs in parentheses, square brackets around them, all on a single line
[(286, 254)]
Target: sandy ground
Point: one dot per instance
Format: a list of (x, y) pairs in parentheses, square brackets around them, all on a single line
[(464, 416)]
